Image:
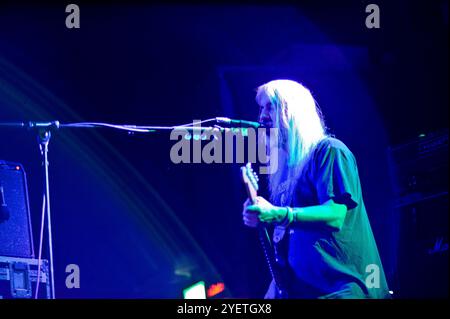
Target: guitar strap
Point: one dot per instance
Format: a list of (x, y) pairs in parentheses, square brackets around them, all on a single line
[(280, 230), (278, 233)]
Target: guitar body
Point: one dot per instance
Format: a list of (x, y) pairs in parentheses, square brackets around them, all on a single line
[(276, 262)]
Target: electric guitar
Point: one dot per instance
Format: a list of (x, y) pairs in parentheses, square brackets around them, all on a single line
[(274, 261)]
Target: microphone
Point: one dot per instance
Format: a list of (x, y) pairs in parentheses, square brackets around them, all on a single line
[(33, 125), (240, 123), (4, 211), (40, 125)]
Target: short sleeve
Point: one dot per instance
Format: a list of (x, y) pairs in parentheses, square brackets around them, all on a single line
[(336, 175)]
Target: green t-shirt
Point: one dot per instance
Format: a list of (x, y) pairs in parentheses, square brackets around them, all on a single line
[(334, 264)]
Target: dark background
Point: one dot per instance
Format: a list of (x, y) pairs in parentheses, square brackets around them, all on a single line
[(140, 226)]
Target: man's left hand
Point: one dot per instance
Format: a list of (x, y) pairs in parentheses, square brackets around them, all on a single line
[(263, 211)]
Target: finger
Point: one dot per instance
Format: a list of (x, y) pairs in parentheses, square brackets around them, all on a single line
[(260, 199), (250, 213), (251, 225), (264, 219), (250, 217), (253, 208), (250, 222)]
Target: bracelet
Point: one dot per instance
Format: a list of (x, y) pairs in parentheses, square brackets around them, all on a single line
[(289, 218)]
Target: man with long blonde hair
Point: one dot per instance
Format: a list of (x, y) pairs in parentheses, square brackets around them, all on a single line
[(315, 195)]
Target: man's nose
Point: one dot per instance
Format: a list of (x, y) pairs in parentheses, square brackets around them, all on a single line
[(264, 117), (264, 114)]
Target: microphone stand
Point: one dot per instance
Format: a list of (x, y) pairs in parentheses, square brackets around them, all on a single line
[(44, 134)]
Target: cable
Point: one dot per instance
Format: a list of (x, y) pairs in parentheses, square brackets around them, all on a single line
[(41, 237), (137, 128), (200, 122), (120, 127)]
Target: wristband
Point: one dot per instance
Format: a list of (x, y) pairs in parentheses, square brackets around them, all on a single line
[(289, 218)]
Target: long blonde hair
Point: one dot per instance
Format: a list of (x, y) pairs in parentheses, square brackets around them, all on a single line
[(301, 128)]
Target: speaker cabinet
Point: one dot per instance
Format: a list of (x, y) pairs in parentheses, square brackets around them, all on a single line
[(420, 171), (423, 249), (16, 237)]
